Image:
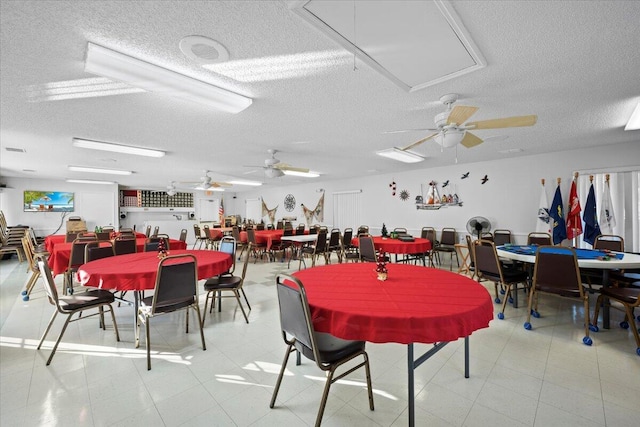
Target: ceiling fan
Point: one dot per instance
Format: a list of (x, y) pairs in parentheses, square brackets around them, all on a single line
[(273, 168), (206, 183), (452, 130)]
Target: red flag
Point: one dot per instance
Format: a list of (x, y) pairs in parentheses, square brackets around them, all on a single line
[(574, 222)]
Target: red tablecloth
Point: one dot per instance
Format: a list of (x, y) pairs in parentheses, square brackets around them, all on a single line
[(264, 236), (138, 271), (53, 239), (395, 246), (59, 255), (415, 304)]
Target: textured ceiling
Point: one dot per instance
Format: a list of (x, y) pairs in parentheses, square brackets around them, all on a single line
[(575, 64)]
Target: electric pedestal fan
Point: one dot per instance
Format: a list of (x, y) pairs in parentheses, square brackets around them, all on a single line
[(478, 225)]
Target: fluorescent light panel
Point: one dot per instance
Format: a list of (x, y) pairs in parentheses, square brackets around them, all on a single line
[(116, 148), (396, 153), (89, 181), (251, 183), (153, 78), (309, 174), (99, 170), (634, 120)]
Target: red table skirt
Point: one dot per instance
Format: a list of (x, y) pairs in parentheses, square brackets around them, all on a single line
[(138, 271), (395, 246), (415, 304), (59, 256), (267, 237)]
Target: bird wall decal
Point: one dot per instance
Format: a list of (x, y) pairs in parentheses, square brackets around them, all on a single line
[(465, 175), (485, 179), (444, 184)]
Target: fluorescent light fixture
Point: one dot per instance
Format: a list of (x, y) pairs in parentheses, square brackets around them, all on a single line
[(99, 170), (251, 183), (310, 174), (634, 120), (116, 148), (89, 181), (153, 78), (396, 153)]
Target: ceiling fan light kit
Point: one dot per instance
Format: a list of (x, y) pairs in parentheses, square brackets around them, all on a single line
[(153, 78)]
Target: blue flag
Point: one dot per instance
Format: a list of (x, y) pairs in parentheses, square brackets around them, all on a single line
[(590, 218), (559, 228)]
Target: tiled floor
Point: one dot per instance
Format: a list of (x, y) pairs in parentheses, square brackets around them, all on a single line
[(543, 377)]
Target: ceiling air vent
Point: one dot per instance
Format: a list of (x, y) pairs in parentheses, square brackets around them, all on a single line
[(16, 150)]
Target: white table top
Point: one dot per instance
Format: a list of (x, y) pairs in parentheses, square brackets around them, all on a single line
[(628, 261), (301, 238)]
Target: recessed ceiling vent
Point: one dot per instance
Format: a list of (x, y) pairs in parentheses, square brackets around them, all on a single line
[(203, 50), (16, 150)]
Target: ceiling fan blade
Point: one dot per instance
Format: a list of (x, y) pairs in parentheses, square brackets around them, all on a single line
[(409, 130), (220, 184), (507, 122), (410, 146), (460, 114), (470, 140), (286, 167)]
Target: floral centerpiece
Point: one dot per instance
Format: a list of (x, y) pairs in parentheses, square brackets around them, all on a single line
[(381, 267)]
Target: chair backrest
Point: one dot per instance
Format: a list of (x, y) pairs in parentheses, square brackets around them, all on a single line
[(228, 246), (49, 285), (260, 226), (196, 231), (183, 235), (487, 263), (610, 242), (76, 258), (103, 235), (321, 242), (300, 229), (448, 236), (334, 238), (151, 244), (235, 232), (87, 236), (400, 230), (501, 237), (279, 225), (487, 235), (148, 231), (313, 230), (28, 249), (367, 249), (363, 229), (347, 236), (429, 233), (206, 231), (108, 228), (269, 226), (125, 245), (295, 316), (556, 271), (251, 236), (156, 230), (176, 283), (98, 250), (537, 238), (70, 236), (287, 232)]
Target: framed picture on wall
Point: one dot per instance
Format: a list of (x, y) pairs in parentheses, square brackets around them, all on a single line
[(48, 201)]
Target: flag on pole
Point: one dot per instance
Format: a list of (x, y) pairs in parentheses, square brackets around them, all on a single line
[(574, 223), (558, 226), (607, 217), (590, 218), (542, 223), (221, 211)]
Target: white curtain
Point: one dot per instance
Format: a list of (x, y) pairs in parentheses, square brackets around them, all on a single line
[(347, 209)]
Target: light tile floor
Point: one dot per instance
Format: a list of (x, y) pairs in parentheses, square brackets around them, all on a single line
[(543, 377)]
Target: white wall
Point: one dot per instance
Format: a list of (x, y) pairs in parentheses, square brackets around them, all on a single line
[(87, 199), (509, 199)]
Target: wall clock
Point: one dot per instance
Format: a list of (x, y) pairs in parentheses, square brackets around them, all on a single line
[(289, 202)]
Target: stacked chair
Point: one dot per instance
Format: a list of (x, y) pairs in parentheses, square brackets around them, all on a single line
[(11, 238)]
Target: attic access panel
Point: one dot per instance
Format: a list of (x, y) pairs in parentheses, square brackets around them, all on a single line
[(415, 44)]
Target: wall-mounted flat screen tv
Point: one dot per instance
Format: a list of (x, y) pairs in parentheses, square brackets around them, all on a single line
[(48, 201)]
